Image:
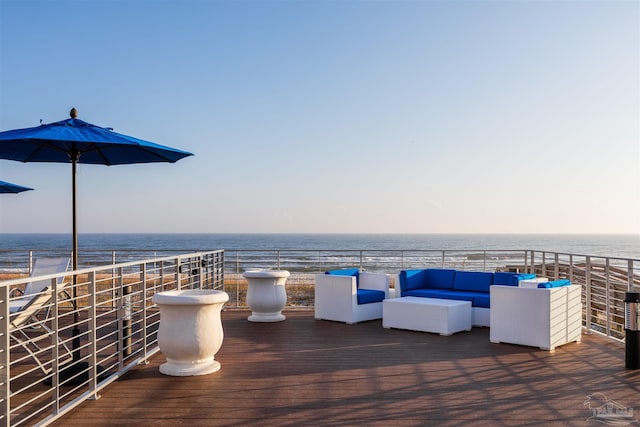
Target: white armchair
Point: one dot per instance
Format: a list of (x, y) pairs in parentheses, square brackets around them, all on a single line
[(538, 317), (336, 297)]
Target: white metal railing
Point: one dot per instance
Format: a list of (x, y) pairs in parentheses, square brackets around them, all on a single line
[(89, 339), (117, 323)]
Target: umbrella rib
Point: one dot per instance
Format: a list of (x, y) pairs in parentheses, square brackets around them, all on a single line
[(40, 144)]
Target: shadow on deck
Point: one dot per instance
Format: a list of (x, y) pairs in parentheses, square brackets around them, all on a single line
[(307, 372)]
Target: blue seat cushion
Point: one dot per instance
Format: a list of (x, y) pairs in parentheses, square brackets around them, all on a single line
[(554, 284), (477, 299), (346, 272), (472, 281), (367, 296)]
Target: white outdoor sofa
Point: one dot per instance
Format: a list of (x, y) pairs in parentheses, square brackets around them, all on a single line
[(543, 317), (352, 298)]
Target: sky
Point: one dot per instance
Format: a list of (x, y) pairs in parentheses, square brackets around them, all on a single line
[(332, 116)]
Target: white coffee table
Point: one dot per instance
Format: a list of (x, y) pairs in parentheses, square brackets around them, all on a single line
[(440, 316)]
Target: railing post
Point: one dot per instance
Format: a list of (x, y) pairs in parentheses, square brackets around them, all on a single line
[(556, 266), (237, 279), (113, 276), (587, 280), (5, 356), (93, 344), (123, 313), (607, 296), (201, 270), (143, 299), (571, 268), (178, 278), (361, 260), (55, 366), (630, 275), (544, 263)]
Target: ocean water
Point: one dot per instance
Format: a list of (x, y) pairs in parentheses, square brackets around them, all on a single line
[(622, 246)]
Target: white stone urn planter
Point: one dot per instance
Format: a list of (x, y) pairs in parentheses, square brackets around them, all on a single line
[(266, 295), (190, 331)]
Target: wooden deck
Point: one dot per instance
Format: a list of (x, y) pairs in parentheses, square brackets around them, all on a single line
[(319, 373)]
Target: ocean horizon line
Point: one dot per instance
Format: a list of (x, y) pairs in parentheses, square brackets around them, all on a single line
[(269, 233)]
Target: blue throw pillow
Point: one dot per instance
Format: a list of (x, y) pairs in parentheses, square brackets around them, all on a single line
[(554, 284)]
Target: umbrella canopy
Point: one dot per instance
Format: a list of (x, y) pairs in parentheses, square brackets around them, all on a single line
[(7, 187), (59, 142)]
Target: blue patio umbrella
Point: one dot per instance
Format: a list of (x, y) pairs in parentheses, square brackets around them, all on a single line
[(75, 141), (7, 187)]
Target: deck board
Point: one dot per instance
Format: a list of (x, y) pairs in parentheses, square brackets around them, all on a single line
[(308, 372)]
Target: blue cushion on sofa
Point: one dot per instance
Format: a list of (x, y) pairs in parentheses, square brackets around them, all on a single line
[(477, 299), (427, 293), (346, 272), (503, 278), (510, 279), (472, 281), (367, 296), (554, 284), (412, 279), (438, 278)]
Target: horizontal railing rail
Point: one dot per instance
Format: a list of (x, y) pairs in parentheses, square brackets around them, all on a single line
[(110, 325)]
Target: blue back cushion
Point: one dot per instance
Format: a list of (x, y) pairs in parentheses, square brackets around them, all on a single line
[(503, 278), (412, 279), (346, 272), (554, 284), (510, 279), (367, 296), (472, 281), (438, 278)]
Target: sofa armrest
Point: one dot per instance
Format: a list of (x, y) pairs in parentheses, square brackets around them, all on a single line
[(339, 287), (375, 281)]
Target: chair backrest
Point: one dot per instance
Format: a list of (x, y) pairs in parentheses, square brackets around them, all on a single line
[(23, 317), (44, 267)]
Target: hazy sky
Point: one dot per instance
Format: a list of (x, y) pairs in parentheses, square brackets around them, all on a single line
[(332, 116)]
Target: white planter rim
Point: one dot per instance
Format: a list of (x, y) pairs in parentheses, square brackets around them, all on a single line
[(265, 274), (190, 296)]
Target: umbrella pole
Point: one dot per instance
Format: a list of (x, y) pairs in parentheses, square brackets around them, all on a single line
[(74, 155), (71, 373)]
